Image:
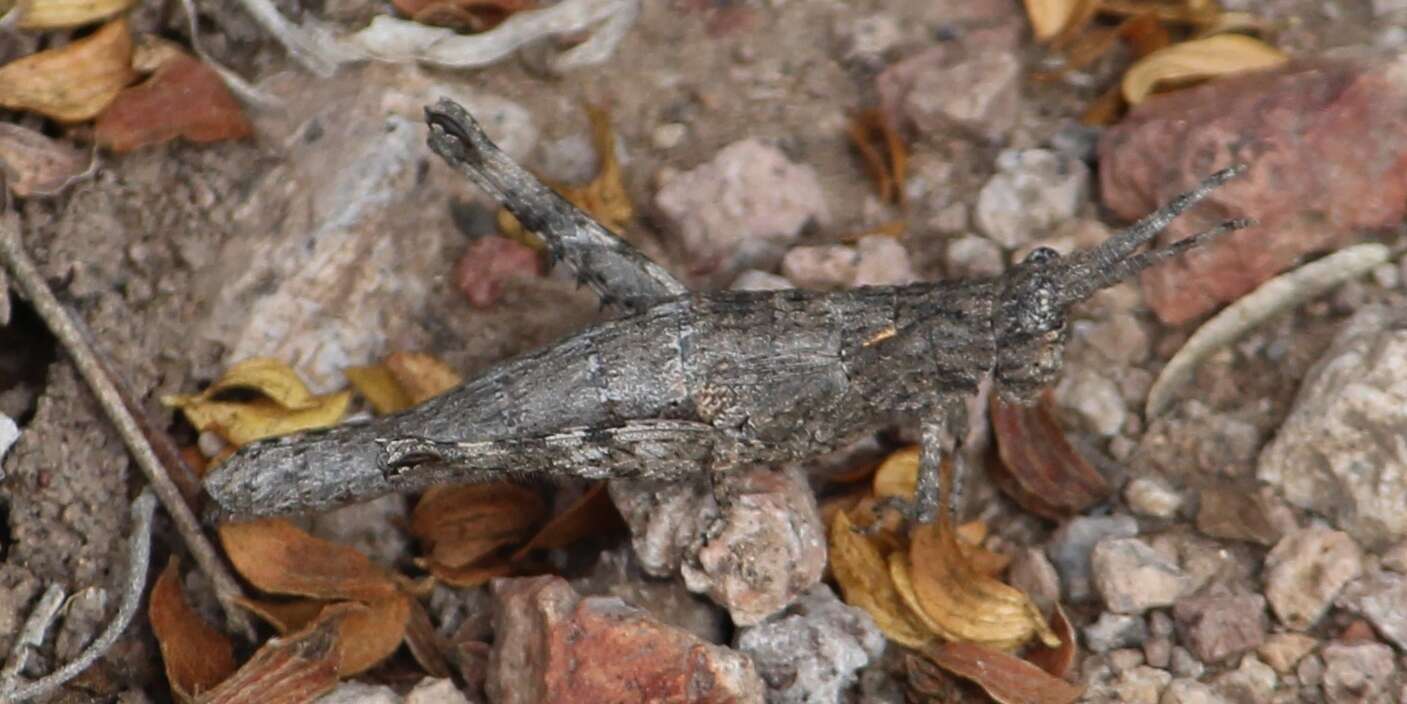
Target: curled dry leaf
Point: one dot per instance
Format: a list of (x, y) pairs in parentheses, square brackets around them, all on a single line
[(292, 670), (1196, 60), (962, 604), (461, 525), (197, 657), (285, 405), (469, 575), (897, 476), (378, 386), (184, 99), (278, 557), (74, 82), (1005, 678), (429, 649), (61, 14), (861, 570), (370, 634), (286, 616), (1039, 468), (1058, 660), (35, 165)]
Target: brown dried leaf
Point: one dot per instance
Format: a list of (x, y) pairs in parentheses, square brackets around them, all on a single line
[(1039, 468), (591, 514), (1197, 60), (62, 14), (462, 524), (184, 99), (197, 657), (74, 82), (421, 376), (883, 150), (1005, 678), (378, 385), (369, 635), (863, 575), (292, 670), (278, 557), (286, 616), (35, 165), (960, 602), (469, 575), (1058, 660), (424, 643)]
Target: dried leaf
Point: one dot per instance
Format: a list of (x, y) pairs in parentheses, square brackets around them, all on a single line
[(1005, 678), (1198, 59), (292, 670), (1058, 660), (1039, 468), (63, 14), (591, 514), (286, 405), (286, 616), (1175, 11), (897, 476), (278, 557), (74, 82), (469, 575), (461, 525), (424, 643), (34, 165), (1050, 17), (1144, 34), (184, 99), (197, 657), (889, 166), (929, 682), (368, 636), (378, 385), (961, 603), (421, 376), (864, 580)]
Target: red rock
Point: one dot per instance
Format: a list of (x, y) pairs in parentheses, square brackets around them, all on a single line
[(489, 262), (183, 98), (553, 645), (1326, 142)]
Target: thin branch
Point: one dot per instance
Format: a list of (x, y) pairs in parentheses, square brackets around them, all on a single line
[(32, 635), (139, 558), (75, 341)]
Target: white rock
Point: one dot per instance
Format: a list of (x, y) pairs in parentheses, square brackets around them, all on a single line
[(743, 208), (1150, 496), (756, 280), (9, 433), (359, 693), (1341, 452), (1094, 398), (812, 651), (1306, 570), (1132, 577), (1032, 191), (435, 691), (883, 261), (971, 256), (981, 94)]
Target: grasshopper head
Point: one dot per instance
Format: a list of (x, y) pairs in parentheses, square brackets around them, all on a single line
[(1032, 306)]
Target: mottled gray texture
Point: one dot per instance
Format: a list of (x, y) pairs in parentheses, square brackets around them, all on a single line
[(697, 384)]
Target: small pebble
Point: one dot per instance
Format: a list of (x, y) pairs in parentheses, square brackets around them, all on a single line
[(669, 135), (1150, 496)]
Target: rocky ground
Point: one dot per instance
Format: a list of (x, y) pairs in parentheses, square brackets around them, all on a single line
[(1254, 548)]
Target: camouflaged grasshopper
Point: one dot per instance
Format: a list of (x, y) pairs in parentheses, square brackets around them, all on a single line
[(689, 384)]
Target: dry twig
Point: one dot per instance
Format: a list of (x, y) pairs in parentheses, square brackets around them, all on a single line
[(76, 342)]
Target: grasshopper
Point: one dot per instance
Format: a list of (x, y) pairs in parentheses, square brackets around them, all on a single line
[(690, 384)]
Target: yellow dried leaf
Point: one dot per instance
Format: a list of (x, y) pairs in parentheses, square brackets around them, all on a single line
[(969, 605), (241, 423), (74, 82), (421, 376), (270, 377), (1202, 58), (197, 656), (897, 476), (280, 558), (378, 386), (60, 14), (1050, 17), (864, 580)]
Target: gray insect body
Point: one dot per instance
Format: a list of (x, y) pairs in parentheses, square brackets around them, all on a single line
[(691, 384)]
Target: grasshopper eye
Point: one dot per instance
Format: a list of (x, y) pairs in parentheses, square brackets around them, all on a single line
[(1042, 255)]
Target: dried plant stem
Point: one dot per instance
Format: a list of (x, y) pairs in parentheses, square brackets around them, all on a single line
[(32, 635), (139, 558), (75, 341)]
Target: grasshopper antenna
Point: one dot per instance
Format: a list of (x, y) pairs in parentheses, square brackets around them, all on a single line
[(1115, 259)]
